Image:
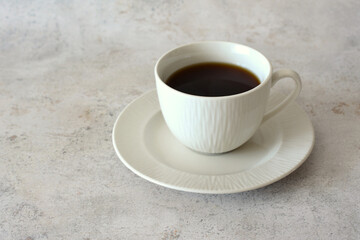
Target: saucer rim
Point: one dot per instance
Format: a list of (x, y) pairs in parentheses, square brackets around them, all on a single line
[(208, 191)]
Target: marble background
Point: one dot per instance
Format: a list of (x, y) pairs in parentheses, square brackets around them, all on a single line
[(68, 68)]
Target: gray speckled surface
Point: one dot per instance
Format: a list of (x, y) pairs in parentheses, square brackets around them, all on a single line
[(68, 68)]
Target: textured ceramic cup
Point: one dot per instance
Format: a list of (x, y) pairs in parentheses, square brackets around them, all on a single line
[(218, 124)]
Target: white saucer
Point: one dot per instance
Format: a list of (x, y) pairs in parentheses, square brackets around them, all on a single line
[(146, 146)]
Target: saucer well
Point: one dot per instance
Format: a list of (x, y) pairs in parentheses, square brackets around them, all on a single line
[(146, 146)]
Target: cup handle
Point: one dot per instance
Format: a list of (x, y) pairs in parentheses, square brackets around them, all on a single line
[(276, 76)]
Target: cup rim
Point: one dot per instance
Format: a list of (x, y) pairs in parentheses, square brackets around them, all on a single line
[(262, 83)]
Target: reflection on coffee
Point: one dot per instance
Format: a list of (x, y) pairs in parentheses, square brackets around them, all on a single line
[(213, 79)]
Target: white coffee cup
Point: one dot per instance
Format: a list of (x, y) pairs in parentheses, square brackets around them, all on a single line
[(218, 124)]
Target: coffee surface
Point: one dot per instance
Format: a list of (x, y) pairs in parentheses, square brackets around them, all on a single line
[(213, 79)]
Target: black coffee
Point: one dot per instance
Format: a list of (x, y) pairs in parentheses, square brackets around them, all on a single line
[(213, 79)]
